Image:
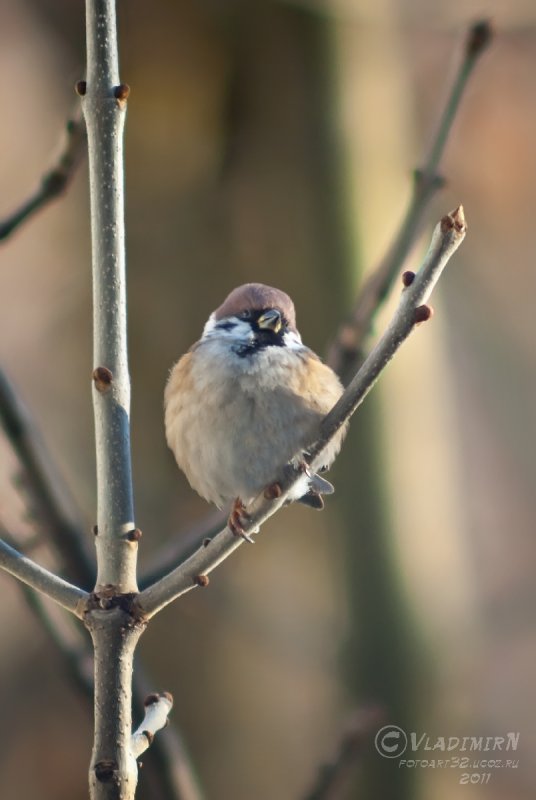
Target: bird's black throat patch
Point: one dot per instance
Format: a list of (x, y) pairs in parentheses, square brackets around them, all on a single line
[(260, 340)]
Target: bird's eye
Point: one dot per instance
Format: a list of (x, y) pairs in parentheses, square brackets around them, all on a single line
[(245, 315)]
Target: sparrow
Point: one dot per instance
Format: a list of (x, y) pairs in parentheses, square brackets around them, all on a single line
[(247, 398)]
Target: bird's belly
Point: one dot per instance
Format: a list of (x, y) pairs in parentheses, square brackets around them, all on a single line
[(230, 443)]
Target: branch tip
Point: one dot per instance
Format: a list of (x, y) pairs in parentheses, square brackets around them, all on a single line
[(480, 35), (454, 221), (151, 699)]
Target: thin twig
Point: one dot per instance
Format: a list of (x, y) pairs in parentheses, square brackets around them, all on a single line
[(45, 503), (330, 779), (346, 351), (447, 236), (169, 771), (70, 597), (157, 709), (55, 180)]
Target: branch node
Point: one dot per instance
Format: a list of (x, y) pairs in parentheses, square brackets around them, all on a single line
[(151, 699), (201, 580), (95, 530), (273, 491), (207, 541), (80, 88), (408, 277), (423, 313), (102, 378), (105, 771), (134, 535), (54, 182), (424, 180), (121, 94), (480, 35)]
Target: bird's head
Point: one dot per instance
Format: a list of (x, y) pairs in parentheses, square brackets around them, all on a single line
[(252, 318)]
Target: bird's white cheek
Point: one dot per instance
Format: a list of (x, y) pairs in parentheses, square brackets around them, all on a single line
[(292, 340)]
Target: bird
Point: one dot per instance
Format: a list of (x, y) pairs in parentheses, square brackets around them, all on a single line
[(247, 398)]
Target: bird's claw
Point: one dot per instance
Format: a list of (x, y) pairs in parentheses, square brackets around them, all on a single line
[(236, 519)]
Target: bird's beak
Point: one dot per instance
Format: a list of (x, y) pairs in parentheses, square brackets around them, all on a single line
[(270, 320)]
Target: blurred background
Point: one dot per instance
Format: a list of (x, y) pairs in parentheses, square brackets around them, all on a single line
[(274, 141)]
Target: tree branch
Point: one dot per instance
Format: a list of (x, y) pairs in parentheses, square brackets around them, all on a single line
[(114, 627), (54, 181), (47, 508), (104, 106), (331, 776), (169, 770), (157, 708), (346, 351), (447, 236), (113, 771), (65, 594)]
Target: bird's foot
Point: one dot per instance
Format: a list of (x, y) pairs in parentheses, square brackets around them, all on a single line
[(237, 518)]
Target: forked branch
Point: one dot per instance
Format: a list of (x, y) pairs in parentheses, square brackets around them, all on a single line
[(55, 180), (346, 351)]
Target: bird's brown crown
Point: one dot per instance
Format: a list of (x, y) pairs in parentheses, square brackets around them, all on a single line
[(257, 297)]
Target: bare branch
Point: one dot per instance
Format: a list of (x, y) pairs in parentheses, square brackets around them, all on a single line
[(331, 776), (67, 537), (104, 106), (70, 597), (114, 628), (447, 236), (55, 180), (169, 771), (157, 708), (346, 351), (113, 772)]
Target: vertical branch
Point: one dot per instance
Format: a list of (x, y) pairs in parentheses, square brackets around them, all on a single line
[(113, 772), (104, 105), (110, 618)]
